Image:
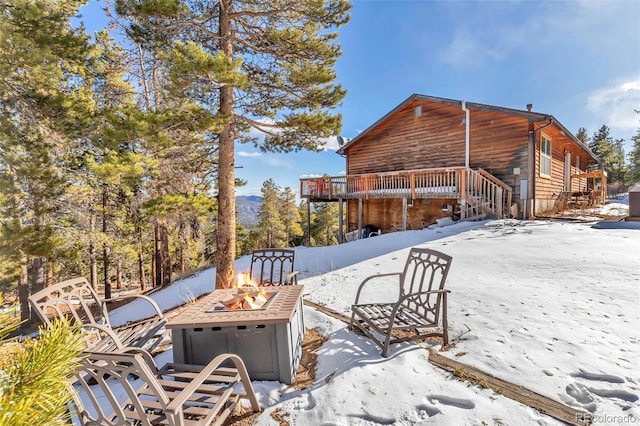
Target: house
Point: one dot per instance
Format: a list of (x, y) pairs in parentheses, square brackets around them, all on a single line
[(430, 158)]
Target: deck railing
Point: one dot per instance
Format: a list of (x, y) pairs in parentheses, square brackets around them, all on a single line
[(478, 191)]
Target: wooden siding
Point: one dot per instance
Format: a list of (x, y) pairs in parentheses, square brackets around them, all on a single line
[(498, 142), (550, 188), (406, 142), (502, 141)]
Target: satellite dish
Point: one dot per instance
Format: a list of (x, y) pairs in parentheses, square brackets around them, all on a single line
[(342, 141)]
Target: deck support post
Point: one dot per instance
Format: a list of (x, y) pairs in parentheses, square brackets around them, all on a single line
[(308, 223), (463, 194), (404, 213), (359, 218), (340, 223)]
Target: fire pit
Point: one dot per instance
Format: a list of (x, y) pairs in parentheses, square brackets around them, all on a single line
[(267, 338), (246, 296)]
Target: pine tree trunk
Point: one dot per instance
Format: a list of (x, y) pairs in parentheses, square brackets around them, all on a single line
[(23, 291), (158, 254), (38, 275), (166, 259), (119, 274), (154, 268), (105, 272), (49, 273), (183, 242), (141, 270), (105, 249), (93, 262), (226, 232)]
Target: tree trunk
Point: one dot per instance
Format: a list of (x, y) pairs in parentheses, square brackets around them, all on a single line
[(105, 249), (23, 291), (105, 272), (183, 242), (141, 270), (93, 262), (49, 273), (158, 254), (119, 274), (226, 232), (38, 274), (154, 269), (162, 261), (166, 259)]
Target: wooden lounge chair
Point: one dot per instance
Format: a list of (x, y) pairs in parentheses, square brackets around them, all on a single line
[(273, 267), (421, 308), (128, 388), (77, 300)]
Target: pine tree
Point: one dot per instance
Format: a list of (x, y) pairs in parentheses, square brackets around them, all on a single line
[(43, 107), (307, 218), (610, 153), (265, 64), (34, 388), (633, 175), (178, 135), (326, 224), (272, 229), (582, 136), (290, 216)]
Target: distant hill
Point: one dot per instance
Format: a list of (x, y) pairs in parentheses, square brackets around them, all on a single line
[(247, 207)]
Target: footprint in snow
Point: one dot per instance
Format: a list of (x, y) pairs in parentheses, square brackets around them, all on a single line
[(579, 395), (454, 402), (429, 410), (598, 377)]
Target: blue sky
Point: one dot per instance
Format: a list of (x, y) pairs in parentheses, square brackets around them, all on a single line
[(577, 60)]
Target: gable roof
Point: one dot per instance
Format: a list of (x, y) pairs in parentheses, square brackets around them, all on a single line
[(533, 117)]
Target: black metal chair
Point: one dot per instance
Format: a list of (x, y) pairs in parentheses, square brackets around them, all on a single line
[(272, 267)]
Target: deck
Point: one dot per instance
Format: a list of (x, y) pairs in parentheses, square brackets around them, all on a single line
[(476, 189)]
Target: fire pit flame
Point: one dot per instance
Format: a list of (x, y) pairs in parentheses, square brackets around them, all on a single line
[(247, 295)]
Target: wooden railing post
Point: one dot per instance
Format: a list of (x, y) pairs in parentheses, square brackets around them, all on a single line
[(412, 185), (463, 193)]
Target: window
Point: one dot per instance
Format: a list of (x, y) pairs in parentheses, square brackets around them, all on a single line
[(545, 156)]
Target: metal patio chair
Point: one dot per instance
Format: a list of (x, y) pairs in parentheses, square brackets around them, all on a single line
[(272, 267), (128, 388), (76, 300), (420, 310)]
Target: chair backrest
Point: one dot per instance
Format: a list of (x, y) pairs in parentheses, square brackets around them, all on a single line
[(73, 299), (78, 302), (425, 270), (112, 384), (272, 266)]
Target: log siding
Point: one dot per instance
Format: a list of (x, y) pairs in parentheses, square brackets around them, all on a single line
[(424, 133)]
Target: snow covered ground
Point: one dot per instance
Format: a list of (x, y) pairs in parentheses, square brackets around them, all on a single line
[(553, 306)]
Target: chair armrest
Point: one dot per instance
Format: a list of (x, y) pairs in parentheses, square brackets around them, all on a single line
[(368, 279), (138, 296), (148, 358), (420, 293), (292, 278), (203, 376), (107, 330)]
